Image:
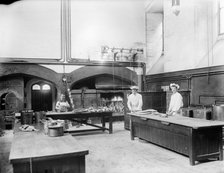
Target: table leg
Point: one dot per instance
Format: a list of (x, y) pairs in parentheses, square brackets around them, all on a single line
[(111, 124), (131, 128), (82, 166), (220, 144), (192, 147), (103, 122)]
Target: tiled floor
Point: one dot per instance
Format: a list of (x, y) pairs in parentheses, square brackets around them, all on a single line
[(117, 153)]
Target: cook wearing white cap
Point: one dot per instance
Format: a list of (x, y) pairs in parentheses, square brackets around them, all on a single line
[(176, 100), (134, 100)]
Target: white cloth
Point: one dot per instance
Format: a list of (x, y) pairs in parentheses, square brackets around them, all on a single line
[(135, 102), (62, 106), (176, 102)]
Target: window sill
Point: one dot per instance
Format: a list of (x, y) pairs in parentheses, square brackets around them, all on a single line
[(221, 37)]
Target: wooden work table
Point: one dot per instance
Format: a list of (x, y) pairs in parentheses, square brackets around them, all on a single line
[(180, 120), (80, 116), (36, 152), (199, 139)]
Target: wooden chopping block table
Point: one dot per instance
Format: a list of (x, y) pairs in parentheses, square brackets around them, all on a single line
[(199, 139), (34, 152), (79, 116)]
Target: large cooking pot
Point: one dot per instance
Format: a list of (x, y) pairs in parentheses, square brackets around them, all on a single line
[(218, 112), (55, 131)]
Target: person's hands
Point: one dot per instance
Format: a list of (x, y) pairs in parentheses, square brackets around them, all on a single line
[(168, 113)]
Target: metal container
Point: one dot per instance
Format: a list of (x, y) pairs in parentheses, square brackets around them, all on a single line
[(218, 112), (187, 112), (203, 113), (27, 117), (66, 124), (55, 131)]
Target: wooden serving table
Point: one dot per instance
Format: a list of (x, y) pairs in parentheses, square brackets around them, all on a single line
[(197, 138), (34, 152), (80, 116)]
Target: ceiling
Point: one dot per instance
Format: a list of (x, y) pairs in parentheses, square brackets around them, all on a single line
[(154, 6), (7, 2)]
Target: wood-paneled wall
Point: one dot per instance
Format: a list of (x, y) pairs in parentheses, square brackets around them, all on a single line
[(206, 84)]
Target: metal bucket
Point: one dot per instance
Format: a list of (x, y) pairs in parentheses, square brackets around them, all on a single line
[(218, 112), (55, 131)]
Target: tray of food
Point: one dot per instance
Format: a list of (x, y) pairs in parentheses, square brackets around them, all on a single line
[(27, 128)]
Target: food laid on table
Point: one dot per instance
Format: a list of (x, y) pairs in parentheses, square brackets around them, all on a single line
[(151, 112), (93, 109)]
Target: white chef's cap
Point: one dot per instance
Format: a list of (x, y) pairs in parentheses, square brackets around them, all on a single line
[(174, 85), (134, 87)]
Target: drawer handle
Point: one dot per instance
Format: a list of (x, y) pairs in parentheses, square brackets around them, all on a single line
[(144, 119), (165, 123)]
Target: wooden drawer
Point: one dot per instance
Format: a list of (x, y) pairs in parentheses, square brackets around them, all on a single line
[(162, 125)]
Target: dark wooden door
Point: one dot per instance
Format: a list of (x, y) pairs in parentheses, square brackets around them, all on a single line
[(41, 100)]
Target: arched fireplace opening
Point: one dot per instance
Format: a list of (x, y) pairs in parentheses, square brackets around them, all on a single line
[(101, 91)]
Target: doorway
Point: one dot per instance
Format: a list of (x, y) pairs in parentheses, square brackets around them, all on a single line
[(41, 97), (9, 101)]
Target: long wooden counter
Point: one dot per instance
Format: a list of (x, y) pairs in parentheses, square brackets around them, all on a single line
[(35, 152), (79, 116), (197, 138)]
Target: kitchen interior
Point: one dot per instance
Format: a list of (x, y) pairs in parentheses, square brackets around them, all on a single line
[(93, 51)]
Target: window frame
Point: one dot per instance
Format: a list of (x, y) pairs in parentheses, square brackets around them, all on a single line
[(219, 20), (36, 89), (45, 89)]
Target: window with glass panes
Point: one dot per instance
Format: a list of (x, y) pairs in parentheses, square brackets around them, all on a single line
[(221, 16)]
